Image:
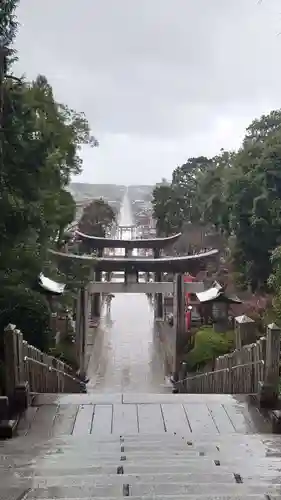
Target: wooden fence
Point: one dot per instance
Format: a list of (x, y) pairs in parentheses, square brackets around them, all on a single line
[(243, 371), (44, 374)]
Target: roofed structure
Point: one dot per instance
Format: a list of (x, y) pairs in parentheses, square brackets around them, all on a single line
[(192, 263), (97, 242), (217, 294), (50, 286)]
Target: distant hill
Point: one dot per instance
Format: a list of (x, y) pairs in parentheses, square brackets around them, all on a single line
[(139, 195), (109, 192)]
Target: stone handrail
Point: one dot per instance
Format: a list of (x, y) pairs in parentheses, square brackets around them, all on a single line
[(25, 365)]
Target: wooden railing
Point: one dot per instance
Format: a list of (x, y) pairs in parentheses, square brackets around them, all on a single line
[(25, 363), (249, 370)]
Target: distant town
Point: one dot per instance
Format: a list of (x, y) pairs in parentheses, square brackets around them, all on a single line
[(139, 195)]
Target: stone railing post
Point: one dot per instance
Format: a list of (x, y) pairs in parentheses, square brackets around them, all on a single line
[(269, 388), (10, 360), (16, 388), (245, 329)]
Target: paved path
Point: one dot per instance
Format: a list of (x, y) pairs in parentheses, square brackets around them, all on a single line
[(152, 446), (105, 414), (126, 355)]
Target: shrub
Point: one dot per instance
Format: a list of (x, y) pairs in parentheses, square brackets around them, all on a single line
[(65, 351), (207, 346), (29, 311)]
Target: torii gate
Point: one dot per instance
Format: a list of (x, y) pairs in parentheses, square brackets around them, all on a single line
[(98, 245), (131, 267)]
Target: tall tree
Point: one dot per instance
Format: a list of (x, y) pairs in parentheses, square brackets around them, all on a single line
[(97, 217), (39, 152), (176, 204), (238, 193)]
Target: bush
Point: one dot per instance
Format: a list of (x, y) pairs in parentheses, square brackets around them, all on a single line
[(207, 346), (65, 351), (29, 311)]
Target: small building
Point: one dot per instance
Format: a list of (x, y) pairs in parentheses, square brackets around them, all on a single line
[(60, 320), (214, 306)]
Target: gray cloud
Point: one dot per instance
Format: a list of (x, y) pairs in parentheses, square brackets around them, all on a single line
[(159, 80)]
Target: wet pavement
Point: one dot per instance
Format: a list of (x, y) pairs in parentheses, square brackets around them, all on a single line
[(129, 436), (143, 446), (126, 352)]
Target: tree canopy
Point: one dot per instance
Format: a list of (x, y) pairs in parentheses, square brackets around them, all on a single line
[(40, 144), (96, 218), (238, 193)]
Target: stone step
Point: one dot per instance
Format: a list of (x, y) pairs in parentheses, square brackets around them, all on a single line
[(164, 438), (118, 489), (89, 456), (15, 446), (189, 464), (142, 437), (209, 450), (191, 497), (184, 497), (71, 442), (144, 450), (175, 467), (148, 478)]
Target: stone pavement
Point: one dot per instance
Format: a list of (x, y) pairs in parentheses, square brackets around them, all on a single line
[(105, 414), (160, 446)]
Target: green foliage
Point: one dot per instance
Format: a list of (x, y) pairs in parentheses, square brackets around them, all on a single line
[(174, 204), (208, 345), (41, 141), (29, 311), (275, 281), (65, 351), (238, 193), (40, 147), (65, 214), (8, 29), (97, 217)]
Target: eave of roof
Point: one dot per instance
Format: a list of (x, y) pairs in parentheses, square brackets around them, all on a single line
[(50, 285)]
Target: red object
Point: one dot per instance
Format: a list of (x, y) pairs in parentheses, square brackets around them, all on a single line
[(188, 279)]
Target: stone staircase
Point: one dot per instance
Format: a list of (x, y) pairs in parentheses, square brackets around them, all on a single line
[(149, 446)]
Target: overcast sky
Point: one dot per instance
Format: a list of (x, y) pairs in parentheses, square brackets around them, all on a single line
[(159, 80)]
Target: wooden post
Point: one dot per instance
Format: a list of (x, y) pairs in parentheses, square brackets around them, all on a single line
[(268, 389), (179, 321)]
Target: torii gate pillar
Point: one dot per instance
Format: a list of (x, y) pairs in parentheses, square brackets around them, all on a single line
[(159, 306), (96, 297), (179, 323), (82, 317)]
